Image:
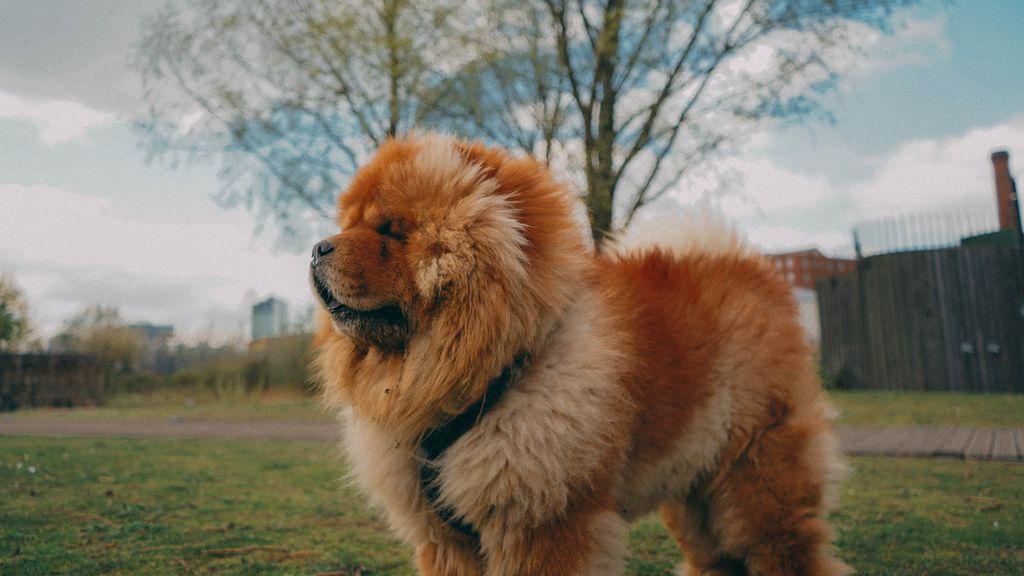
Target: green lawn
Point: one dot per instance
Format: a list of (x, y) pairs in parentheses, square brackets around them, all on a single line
[(113, 506), (913, 408)]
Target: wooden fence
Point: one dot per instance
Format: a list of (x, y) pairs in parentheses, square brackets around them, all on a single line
[(949, 320), (35, 380)]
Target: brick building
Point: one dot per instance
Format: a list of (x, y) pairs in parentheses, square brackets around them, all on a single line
[(803, 268)]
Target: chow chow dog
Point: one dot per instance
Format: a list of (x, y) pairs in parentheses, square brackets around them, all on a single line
[(512, 398)]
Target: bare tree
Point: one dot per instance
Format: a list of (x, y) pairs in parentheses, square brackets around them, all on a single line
[(15, 327), (512, 91), (625, 96), (292, 96), (638, 93), (100, 330)]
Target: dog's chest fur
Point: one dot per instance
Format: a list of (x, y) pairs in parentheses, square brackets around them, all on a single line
[(556, 429)]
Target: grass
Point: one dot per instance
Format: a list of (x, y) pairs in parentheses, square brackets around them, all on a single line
[(108, 506), (913, 516), (114, 506), (928, 408)]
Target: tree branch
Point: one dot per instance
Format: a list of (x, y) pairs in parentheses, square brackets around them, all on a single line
[(644, 137), (727, 48), (267, 163)]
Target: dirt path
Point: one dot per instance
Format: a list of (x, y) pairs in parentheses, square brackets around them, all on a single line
[(194, 429), (971, 443)]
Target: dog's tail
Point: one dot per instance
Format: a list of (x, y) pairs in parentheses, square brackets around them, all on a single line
[(699, 229)]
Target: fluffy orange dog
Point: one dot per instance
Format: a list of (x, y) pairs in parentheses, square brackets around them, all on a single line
[(512, 400)]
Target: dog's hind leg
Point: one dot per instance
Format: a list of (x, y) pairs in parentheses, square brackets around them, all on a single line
[(764, 512), (689, 527), (769, 508)]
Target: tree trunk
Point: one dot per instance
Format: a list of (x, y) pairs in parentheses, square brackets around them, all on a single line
[(391, 11), (601, 186), (599, 197)]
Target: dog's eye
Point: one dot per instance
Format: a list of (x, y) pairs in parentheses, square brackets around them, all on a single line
[(391, 229)]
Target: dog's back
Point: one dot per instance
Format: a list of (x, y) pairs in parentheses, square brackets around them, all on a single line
[(732, 436)]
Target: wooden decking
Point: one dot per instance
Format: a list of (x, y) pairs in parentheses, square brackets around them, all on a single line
[(971, 443)]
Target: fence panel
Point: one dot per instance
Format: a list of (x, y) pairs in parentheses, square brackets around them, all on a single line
[(38, 380), (947, 320)]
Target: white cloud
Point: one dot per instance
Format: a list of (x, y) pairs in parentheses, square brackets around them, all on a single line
[(726, 13), (785, 239), (917, 39), (760, 59), (772, 188), (74, 51), (59, 121), (939, 174), (783, 209), (69, 250)]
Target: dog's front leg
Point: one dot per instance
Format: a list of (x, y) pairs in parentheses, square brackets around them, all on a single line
[(586, 541), (452, 557)]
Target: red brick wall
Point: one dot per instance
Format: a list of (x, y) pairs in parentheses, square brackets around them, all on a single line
[(803, 269)]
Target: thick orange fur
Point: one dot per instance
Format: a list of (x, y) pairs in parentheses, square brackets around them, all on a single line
[(667, 376)]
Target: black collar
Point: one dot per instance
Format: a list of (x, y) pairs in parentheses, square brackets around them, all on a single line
[(436, 441)]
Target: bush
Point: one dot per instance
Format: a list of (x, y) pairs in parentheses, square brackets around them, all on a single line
[(269, 363)]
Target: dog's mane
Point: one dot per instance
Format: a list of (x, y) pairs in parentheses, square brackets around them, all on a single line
[(505, 259)]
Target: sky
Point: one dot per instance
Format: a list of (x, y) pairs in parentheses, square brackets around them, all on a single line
[(86, 219)]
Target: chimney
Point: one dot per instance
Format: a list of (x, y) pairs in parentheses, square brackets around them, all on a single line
[(1006, 193)]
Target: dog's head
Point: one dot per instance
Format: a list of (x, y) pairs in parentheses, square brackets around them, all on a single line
[(451, 258), (412, 223)]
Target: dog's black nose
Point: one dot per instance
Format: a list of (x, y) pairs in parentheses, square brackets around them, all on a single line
[(322, 248)]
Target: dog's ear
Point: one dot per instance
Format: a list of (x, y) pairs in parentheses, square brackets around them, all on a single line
[(482, 218), (449, 262)]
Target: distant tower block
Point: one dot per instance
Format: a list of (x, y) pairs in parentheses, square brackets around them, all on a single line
[(269, 319)]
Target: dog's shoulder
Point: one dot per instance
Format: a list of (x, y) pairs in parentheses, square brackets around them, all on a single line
[(562, 426)]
